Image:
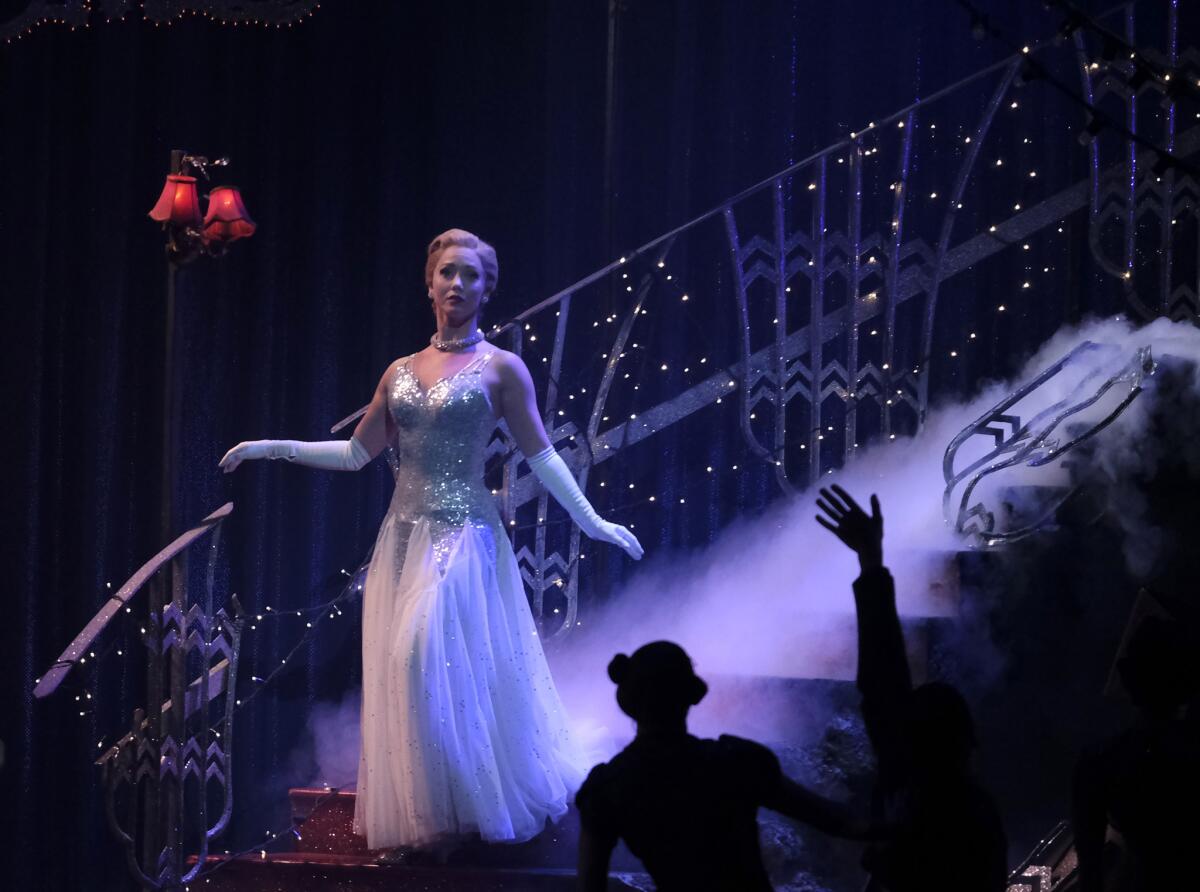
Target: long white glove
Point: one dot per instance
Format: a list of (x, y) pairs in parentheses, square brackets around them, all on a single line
[(333, 455), (549, 468)]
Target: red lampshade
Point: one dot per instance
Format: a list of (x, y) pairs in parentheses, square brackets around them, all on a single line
[(227, 220), (179, 204)]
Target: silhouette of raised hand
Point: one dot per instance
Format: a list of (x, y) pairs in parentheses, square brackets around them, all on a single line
[(844, 518)]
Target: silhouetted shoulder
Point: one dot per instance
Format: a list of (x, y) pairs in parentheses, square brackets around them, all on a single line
[(593, 801), (595, 779), (749, 750), (756, 765)]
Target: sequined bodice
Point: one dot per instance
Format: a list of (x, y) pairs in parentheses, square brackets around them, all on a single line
[(441, 437)]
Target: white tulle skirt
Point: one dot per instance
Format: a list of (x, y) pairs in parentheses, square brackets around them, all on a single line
[(462, 728)]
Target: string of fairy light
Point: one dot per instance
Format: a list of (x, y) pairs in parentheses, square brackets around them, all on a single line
[(1025, 288), (686, 304), (81, 18), (313, 615), (1027, 281), (1172, 80)]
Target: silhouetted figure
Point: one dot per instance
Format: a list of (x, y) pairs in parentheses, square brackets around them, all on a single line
[(943, 831), (686, 806), (1145, 783)]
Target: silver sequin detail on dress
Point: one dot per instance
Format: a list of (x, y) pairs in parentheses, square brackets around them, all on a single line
[(440, 444)]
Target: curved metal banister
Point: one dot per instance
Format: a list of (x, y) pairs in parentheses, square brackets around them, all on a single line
[(58, 671), (1030, 443)]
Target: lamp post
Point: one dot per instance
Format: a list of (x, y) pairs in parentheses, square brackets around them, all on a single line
[(189, 236)]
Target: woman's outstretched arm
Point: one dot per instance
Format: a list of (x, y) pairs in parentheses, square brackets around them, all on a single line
[(827, 815), (368, 441), (518, 407)]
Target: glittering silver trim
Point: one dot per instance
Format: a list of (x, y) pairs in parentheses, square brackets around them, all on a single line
[(454, 345)]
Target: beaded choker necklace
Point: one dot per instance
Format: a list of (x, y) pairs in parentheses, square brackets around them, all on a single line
[(452, 345)]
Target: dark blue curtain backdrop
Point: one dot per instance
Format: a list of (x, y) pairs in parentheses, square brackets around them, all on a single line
[(355, 137)]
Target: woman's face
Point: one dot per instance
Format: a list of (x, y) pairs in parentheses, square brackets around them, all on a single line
[(457, 289)]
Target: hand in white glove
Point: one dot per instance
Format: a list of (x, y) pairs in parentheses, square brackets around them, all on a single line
[(333, 455), (249, 450), (549, 468), (615, 534)]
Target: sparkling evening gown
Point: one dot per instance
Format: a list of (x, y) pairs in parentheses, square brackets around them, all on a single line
[(462, 728)]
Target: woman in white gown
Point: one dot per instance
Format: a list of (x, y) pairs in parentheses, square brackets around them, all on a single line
[(462, 728)]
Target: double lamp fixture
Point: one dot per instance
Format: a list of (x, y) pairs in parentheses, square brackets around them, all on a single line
[(191, 233)]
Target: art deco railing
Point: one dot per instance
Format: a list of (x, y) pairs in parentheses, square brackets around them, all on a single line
[(840, 269), (160, 777)]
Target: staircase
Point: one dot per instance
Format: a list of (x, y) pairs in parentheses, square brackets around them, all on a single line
[(328, 856)]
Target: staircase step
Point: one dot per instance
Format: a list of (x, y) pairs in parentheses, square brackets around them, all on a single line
[(323, 819), (323, 872)]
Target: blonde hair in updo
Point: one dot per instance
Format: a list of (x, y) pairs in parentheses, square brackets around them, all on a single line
[(460, 238)]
